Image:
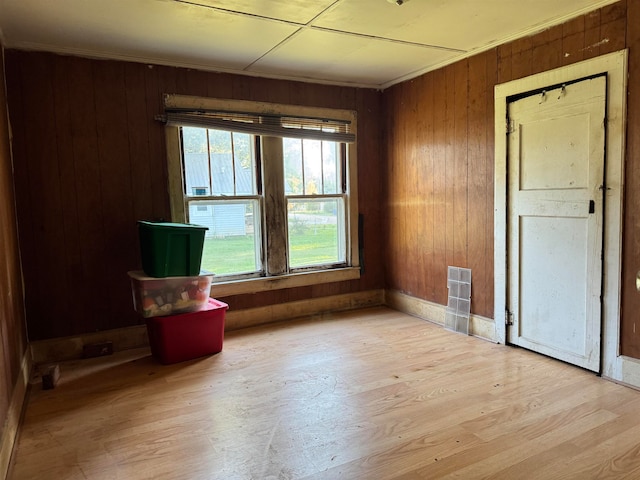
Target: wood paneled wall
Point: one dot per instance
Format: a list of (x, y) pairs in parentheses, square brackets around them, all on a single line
[(91, 161), (630, 328), (440, 157), (13, 340), (439, 137)]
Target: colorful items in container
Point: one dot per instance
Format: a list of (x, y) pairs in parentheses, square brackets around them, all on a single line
[(155, 297)]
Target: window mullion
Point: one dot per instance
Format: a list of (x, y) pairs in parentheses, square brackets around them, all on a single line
[(275, 208), (233, 164), (321, 167), (209, 164), (304, 182)]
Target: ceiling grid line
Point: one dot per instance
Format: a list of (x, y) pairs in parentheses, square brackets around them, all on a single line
[(357, 43)]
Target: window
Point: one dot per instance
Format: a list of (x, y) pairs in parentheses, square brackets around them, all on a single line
[(315, 202), (276, 191), (229, 204)]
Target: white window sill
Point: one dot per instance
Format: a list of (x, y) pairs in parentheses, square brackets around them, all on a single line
[(263, 284)]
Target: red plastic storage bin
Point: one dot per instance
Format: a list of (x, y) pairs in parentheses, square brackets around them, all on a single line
[(177, 338)]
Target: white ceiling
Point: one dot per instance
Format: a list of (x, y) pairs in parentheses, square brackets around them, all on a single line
[(369, 43)]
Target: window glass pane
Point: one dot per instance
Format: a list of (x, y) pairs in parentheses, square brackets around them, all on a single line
[(232, 243), (196, 164), (244, 164), (292, 153), (316, 232), (312, 159), (330, 167), (221, 158)]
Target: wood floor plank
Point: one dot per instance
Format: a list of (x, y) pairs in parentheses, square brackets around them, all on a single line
[(371, 394)]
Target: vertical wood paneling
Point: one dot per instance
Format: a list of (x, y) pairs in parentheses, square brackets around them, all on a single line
[(45, 194), (6, 309), (592, 39), (460, 164), (613, 26), (462, 154), (91, 161), (630, 325), (439, 187), (116, 184), (13, 340), (138, 120), (427, 153), (71, 251), (573, 40), (414, 250), (155, 139), (400, 169), (82, 136), (478, 216), (370, 188), (521, 58), (390, 220), (487, 281), (547, 52), (449, 160), (504, 63)]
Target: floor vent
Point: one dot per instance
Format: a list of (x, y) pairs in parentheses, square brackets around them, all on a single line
[(459, 303)]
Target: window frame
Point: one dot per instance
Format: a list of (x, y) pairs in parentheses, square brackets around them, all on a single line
[(277, 277)]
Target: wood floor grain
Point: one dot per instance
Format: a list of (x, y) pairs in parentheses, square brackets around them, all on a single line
[(373, 394)]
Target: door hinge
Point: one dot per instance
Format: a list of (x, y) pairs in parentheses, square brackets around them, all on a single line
[(510, 126), (508, 318)]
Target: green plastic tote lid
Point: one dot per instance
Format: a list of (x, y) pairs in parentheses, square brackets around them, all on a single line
[(170, 249)]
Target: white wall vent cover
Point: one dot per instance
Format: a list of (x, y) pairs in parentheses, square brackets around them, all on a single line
[(459, 304)]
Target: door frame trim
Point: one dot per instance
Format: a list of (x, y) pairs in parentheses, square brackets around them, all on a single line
[(614, 65)]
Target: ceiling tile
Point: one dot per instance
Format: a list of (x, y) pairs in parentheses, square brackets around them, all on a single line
[(387, 42), (325, 55), (149, 29), (459, 24), (297, 11)]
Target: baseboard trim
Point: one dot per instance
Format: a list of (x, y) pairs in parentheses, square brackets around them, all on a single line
[(479, 326), (12, 422), (286, 311), (70, 348)]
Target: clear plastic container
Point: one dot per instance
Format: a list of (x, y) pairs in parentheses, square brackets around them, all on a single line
[(156, 297)]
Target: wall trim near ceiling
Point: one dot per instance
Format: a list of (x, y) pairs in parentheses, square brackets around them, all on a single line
[(614, 366), (14, 413), (70, 348), (479, 326), (151, 61)]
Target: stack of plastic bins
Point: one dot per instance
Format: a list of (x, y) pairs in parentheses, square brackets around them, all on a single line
[(172, 294)]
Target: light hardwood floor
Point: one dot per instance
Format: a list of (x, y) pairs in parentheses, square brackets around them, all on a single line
[(374, 394)]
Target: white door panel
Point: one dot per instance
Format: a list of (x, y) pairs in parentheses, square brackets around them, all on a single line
[(555, 212)]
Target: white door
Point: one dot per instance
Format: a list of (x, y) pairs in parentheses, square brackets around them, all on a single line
[(555, 220)]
